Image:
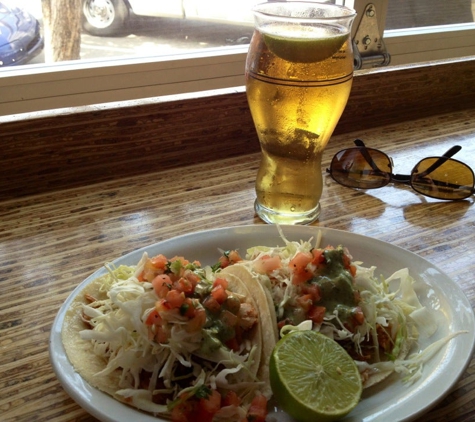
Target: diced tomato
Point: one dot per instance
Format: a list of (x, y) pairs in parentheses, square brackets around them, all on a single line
[(234, 256), (348, 265), (219, 294), (224, 261), (180, 258), (183, 285), (207, 407), (231, 399), (159, 261), (301, 276), (175, 298), (162, 285), (266, 264), (221, 282), (312, 289), (153, 318), (229, 258), (258, 410), (304, 301), (318, 257), (211, 304), (197, 322), (183, 411), (316, 314), (300, 261), (150, 271), (298, 265), (162, 306), (187, 308), (192, 278)]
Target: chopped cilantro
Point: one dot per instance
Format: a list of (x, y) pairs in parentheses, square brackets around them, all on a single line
[(184, 308), (203, 392), (216, 267), (174, 266)]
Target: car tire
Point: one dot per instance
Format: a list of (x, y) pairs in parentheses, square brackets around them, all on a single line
[(104, 17)]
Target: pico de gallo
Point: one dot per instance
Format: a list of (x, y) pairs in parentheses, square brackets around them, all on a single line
[(339, 297), (185, 339)]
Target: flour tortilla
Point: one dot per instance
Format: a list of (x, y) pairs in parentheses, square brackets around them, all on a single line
[(81, 352), (262, 297), (267, 315)]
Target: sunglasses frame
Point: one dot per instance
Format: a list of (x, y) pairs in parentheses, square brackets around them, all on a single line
[(402, 178)]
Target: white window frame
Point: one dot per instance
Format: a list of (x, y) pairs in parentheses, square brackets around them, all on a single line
[(34, 88)]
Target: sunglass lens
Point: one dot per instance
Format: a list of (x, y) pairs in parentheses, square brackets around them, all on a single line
[(363, 168), (449, 180)]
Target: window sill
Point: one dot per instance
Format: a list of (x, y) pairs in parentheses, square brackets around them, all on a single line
[(71, 147)]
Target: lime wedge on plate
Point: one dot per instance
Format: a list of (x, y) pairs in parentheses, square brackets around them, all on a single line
[(313, 378), (303, 44)]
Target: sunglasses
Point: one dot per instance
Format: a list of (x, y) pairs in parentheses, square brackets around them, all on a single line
[(437, 177)]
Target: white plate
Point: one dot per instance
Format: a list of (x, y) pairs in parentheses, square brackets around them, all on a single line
[(391, 400)]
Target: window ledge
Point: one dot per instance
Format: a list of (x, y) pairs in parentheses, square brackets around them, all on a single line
[(56, 149)]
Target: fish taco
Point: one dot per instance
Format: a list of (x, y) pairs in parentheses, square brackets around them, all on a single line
[(174, 339), (323, 289)]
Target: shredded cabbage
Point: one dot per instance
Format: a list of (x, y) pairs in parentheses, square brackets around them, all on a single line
[(390, 306), (122, 339)]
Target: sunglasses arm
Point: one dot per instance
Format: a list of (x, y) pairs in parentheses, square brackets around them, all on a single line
[(367, 156), (441, 160)]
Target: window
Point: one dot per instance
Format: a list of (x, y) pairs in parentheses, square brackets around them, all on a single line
[(416, 31), (422, 30), (403, 14)]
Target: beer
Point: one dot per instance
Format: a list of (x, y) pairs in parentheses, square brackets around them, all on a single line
[(298, 79)]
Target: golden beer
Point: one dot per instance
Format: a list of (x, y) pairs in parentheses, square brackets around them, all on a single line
[(298, 79)]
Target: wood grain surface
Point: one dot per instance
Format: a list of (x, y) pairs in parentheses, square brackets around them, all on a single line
[(51, 241)]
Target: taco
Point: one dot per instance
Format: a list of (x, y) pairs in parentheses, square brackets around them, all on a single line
[(265, 307), (324, 290), (171, 338)]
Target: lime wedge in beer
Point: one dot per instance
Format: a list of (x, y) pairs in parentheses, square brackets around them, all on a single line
[(313, 378), (303, 44)]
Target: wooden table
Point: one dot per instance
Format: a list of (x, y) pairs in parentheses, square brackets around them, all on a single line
[(50, 242)]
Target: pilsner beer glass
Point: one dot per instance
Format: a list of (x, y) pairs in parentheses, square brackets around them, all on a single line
[(299, 71)]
